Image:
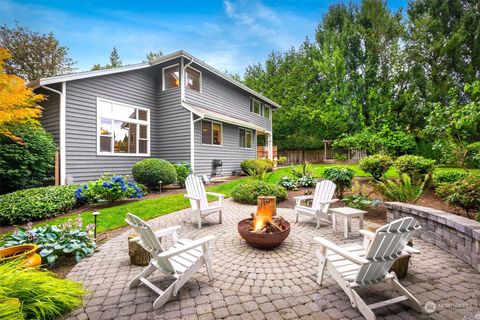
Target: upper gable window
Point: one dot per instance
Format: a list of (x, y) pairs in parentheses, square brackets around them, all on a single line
[(171, 77), (193, 79)]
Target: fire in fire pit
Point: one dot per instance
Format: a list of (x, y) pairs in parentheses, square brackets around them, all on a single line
[(265, 230)]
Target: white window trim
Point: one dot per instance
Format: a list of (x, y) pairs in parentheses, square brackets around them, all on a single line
[(200, 79), (201, 133), (252, 108), (251, 132), (163, 77), (267, 108), (135, 121)]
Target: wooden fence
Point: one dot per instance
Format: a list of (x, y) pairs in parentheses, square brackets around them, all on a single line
[(323, 156), (262, 152)]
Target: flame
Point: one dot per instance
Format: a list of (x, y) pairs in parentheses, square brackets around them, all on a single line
[(264, 214)]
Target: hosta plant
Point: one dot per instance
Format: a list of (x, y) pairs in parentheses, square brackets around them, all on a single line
[(306, 181), (359, 198), (288, 183), (56, 242), (342, 177)]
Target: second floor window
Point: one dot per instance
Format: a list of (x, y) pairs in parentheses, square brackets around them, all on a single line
[(256, 106), (171, 77), (211, 133), (193, 79)]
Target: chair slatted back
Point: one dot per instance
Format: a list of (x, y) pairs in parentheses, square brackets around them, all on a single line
[(149, 242), (387, 245), (323, 192), (195, 188)]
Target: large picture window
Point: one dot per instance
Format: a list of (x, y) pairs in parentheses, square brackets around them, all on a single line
[(211, 133), (171, 77), (193, 79), (245, 139), (122, 129)]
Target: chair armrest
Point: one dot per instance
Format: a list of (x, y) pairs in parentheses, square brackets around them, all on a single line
[(220, 195), (338, 250), (191, 197), (176, 251), (366, 233), (303, 197), (160, 233), (330, 201), (412, 250)]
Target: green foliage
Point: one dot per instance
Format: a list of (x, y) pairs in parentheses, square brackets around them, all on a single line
[(463, 193), (403, 190), (472, 157), (387, 141), (36, 204), (151, 172), (416, 167), (302, 170), (477, 217), (256, 165), (108, 188), (42, 295), (448, 176), (306, 181), (183, 169), (342, 177), (340, 156), (10, 308), (359, 198), (247, 192), (288, 183), (56, 242), (282, 160), (25, 165), (377, 165)]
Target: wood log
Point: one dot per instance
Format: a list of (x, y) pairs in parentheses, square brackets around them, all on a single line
[(138, 255), (274, 226), (268, 201)]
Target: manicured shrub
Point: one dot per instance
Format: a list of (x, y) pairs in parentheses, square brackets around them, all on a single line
[(472, 158), (56, 242), (463, 193), (247, 192), (40, 293), (27, 164), (448, 176), (342, 177), (282, 160), (376, 165), (183, 169), (403, 190), (36, 204), (256, 165), (416, 167), (288, 183), (151, 172), (108, 188)]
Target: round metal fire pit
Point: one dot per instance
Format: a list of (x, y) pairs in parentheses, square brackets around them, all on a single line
[(262, 240)]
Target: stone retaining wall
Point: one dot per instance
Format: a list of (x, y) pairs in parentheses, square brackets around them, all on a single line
[(458, 235)]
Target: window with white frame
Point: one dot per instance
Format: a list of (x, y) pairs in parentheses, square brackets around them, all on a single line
[(245, 138), (122, 128), (193, 79), (256, 106), (211, 133), (171, 77), (266, 111)]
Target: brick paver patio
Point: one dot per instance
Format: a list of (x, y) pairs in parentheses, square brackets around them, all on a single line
[(276, 284)]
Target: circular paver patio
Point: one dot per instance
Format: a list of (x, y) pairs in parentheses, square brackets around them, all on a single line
[(257, 284)]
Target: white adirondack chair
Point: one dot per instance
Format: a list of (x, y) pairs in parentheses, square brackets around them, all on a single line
[(198, 200), (181, 261), (321, 200), (356, 266)]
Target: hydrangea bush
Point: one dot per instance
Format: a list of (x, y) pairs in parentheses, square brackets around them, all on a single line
[(108, 188)]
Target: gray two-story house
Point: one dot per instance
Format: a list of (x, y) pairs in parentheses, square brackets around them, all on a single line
[(176, 108)]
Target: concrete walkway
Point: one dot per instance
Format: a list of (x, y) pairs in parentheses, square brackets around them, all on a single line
[(276, 284)]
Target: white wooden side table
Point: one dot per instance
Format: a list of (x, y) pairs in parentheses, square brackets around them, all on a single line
[(347, 214)]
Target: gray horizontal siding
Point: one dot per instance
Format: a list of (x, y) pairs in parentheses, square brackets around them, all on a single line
[(135, 87), (221, 96), (50, 118), (230, 153)]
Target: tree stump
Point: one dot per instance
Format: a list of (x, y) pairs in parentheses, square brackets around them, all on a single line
[(269, 202), (138, 255)]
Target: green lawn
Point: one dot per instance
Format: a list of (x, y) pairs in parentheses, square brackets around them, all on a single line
[(113, 217), (318, 170)]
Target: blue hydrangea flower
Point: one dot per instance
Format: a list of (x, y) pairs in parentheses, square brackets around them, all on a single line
[(85, 186), (105, 184)]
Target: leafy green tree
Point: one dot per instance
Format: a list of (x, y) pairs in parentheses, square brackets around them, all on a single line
[(34, 55)]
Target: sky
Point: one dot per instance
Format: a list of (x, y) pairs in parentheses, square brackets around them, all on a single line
[(227, 34)]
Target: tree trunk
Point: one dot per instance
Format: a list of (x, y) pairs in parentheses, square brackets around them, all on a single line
[(138, 255)]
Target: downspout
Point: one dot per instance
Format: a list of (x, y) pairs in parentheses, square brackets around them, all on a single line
[(192, 121), (63, 156)]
